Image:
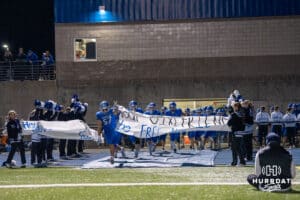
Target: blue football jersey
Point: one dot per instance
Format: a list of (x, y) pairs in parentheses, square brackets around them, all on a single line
[(153, 112), (139, 110), (108, 120), (175, 113)]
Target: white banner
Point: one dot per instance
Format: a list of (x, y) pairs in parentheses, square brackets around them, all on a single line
[(146, 126), (73, 129), (130, 123)]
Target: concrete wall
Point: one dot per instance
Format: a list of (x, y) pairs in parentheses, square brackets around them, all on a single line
[(19, 96)]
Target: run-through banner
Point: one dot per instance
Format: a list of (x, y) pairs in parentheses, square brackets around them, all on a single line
[(130, 123), (73, 129), (147, 126)]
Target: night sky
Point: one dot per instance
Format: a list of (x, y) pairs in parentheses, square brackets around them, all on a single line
[(28, 24)]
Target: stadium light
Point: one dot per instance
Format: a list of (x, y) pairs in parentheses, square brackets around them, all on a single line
[(102, 10), (5, 46)]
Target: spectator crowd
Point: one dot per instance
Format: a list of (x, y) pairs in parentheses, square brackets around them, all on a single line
[(26, 66)]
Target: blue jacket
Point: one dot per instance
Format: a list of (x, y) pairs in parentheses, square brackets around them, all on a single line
[(48, 59), (33, 58)]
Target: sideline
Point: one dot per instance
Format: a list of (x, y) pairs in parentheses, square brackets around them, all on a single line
[(124, 184)]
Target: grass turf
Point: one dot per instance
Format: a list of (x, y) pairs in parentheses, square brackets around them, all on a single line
[(147, 192), (194, 174), (71, 175)]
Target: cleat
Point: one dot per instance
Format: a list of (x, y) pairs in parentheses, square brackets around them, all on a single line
[(153, 148), (123, 152), (150, 149), (136, 153), (112, 160)]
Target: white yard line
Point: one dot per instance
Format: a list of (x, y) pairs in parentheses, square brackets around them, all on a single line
[(124, 184)]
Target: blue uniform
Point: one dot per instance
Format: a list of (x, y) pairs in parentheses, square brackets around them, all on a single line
[(211, 134), (133, 138), (153, 112), (221, 112), (109, 123), (196, 134), (174, 113), (199, 134)]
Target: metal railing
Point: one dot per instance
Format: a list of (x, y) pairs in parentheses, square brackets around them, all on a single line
[(22, 70)]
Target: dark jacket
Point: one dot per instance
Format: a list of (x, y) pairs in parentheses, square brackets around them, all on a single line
[(13, 129), (274, 162), (68, 116), (50, 115), (36, 115), (61, 116), (236, 122), (247, 114)]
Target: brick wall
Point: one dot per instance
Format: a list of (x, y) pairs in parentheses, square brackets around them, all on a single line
[(222, 38)]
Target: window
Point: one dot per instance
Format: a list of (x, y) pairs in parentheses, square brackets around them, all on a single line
[(85, 50)]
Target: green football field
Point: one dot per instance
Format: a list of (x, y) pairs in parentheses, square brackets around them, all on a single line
[(141, 183)]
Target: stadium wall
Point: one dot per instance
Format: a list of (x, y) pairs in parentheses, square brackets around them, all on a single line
[(182, 59), (19, 96)]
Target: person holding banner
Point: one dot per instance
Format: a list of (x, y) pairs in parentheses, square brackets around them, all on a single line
[(106, 122), (15, 139), (174, 136), (247, 111), (154, 139), (162, 138), (187, 112), (195, 136), (237, 126), (118, 135), (83, 112), (136, 142), (209, 135), (50, 115), (62, 116), (76, 113), (36, 145)]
